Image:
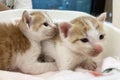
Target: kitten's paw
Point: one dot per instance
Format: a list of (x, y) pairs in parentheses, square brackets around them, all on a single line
[(89, 64)]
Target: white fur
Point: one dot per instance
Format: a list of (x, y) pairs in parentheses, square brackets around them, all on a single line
[(65, 58), (27, 62), (92, 33)]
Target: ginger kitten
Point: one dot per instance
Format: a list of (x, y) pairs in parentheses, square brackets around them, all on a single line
[(20, 44), (76, 42)]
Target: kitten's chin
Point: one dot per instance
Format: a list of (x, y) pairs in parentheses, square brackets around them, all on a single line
[(93, 54)]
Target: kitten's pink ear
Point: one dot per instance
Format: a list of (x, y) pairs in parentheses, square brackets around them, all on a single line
[(64, 28), (26, 18), (102, 17)]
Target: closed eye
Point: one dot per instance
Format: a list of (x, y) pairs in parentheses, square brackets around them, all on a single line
[(101, 36), (45, 24), (84, 40)]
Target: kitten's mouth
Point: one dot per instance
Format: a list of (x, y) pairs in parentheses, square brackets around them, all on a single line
[(94, 53), (52, 33)]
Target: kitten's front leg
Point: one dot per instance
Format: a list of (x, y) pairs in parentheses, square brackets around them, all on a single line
[(69, 61), (89, 64), (65, 66), (37, 67), (66, 63)]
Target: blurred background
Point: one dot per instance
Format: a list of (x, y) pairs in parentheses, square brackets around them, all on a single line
[(94, 7)]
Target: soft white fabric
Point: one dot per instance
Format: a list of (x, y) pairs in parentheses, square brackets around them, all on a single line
[(5, 75), (110, 62), (65, 75)]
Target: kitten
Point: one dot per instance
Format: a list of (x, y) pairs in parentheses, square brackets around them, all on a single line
[(76, 42), (20, 43)]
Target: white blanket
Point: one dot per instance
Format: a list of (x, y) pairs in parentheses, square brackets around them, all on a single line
[(69, 75)]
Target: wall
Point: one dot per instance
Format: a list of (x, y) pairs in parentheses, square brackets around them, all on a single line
[(108, 9), (116, 13), (79, 5)]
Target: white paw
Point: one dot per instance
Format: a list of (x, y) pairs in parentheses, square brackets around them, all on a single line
[(89, 64)]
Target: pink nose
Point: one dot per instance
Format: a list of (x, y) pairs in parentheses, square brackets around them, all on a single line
[(98, 48)]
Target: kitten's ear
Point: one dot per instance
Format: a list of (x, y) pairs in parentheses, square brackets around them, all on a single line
[(64, 28), (102, 17), (26, 18)]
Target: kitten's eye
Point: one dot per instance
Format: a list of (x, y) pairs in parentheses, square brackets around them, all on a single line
[(101, 37), (85, 40), (45, 24)]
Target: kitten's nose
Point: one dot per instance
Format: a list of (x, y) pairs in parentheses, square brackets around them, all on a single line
[(53, 25), (98, 48)]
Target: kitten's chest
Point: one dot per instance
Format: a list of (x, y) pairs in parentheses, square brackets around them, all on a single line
[(48, 48), (34, 50), (29, 55), (67, 59)]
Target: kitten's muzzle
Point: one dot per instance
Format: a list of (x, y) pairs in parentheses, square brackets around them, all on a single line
[(53, 26), (97, 49)]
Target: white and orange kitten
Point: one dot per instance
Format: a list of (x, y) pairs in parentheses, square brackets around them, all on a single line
[(76, 42), (20, 44)]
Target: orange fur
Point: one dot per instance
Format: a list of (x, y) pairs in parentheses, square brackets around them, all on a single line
[(80, 27), (12, 41)]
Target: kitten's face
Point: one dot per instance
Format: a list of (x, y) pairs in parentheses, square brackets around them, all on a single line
[(38, 25), (85, 36)]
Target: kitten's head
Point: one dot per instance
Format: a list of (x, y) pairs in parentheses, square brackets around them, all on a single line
[(84, 35), (37, 26)]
